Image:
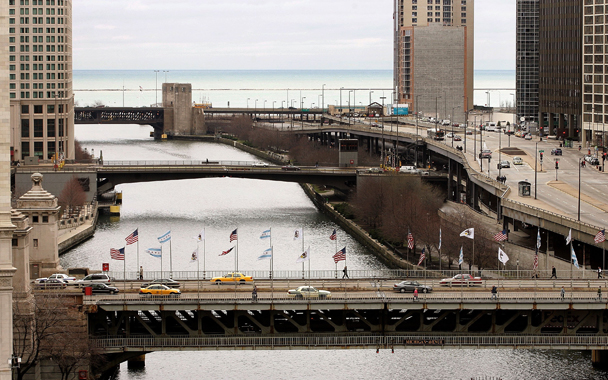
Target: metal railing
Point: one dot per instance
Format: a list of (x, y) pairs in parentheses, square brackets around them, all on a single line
[(353, 340)]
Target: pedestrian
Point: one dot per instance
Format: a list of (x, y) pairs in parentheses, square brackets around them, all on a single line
[(599, 294), (553, 273), (345, 271), (494, 292), (599, 272), (563, 293), (254, 294), (141, 273), (416, 294)]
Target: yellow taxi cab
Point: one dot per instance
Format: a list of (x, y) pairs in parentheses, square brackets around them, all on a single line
[(234, 277), (160, 290)]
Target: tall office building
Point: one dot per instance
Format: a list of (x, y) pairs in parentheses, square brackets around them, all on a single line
[(560, 66), (40, 79), (433, 52), (595, 73), (527, 40)]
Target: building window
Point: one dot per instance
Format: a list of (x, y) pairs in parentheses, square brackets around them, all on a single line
[(50, 128), (45, 218), (15, 242), (25, 128), (34, 218), (25, 108), (37, 108), (36, 240), (38, 129), (38, 149)]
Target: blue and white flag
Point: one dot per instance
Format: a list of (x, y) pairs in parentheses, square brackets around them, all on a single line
[(155, 252), (267, 254), (538, 242), (439, 239), (461, 257), (569, 237), (165, 238), (574, 259), (265, 235)]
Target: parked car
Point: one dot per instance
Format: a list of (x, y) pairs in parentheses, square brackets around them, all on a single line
[(504, 164), (63, 277), (234, 277), (486, 153), (290, 168), (308, 292), (519, 134), (94, 278), (102, 288), (457, 138), (461, 279), (163, 281), (50, 283), (556, 151), (159, 290), (518, 161), (409, 286), (449, 135), (592, 160)]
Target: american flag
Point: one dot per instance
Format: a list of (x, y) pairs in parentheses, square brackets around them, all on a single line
[(410, 240), (600, 236), (226, 252), (233, 237), (333, 235), (535, 262), (340, 255), (132, 238), (501, 236), (117, 254), (422, 257)]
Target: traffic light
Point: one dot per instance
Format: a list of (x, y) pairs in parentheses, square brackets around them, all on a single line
[(541, 156), (556, 165)]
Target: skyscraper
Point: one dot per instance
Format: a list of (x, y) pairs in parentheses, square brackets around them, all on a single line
[(527, 53), (40, 79), (433, 52)]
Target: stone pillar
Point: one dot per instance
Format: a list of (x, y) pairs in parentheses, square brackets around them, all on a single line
[(21, 255), (6, 226), (43, 212)]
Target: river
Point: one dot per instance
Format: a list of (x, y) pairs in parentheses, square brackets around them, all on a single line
[(221, 205)]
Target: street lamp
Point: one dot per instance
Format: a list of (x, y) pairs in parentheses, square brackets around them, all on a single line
[(264, 103), (382, 154), (579, 188), (302, 112), (156, 90), (417, 117), (341, 88), (165, 71), (535, 168), (323, 98), (248, 102), (256, 104), (452, 122), (370, 97)]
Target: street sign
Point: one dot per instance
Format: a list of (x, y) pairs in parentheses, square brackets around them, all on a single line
[(305, 110), (541, 151)]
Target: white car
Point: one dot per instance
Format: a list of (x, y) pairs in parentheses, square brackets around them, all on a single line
[(518, 161), (528, 137), (63, 277), (308, 292), (260, 164)]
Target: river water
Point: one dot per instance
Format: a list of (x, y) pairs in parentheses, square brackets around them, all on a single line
[(223, 204)]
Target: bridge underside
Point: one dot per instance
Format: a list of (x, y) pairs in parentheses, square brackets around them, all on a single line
[(308, 326), (122, 115)]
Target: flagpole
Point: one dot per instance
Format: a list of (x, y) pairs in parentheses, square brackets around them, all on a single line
[(237, 249), (271, 270), (302, 251), (124, 274), (198, 273), (604, 254), (204, 253), (336, 251), (571, 264), (170, 260), (137, 266), (161, 261), (271, 258)]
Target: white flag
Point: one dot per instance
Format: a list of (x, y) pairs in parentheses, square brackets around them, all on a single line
[(538, 241), (469, 232), (502, 256), (574, 259), (200, 236), (439, 239), (304, 256), (194, 257), (461, 257), (297, 234), (569, 237)]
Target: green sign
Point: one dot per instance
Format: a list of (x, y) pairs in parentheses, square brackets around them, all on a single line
[(541, 151), (305, 110)]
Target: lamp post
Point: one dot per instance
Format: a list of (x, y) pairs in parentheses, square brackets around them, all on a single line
[(382, 154), (341, 88), (256, 104), (248, 102), (165, 71), (417, 117), (488, 92), (370, 97), (436, 113), (535, 168), (350, 112), (452, 122), (579, 189), (302, 112), (156, 90), (273, 102), (445, 104)]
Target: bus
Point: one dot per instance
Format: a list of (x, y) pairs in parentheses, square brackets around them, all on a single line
[(435, 134)]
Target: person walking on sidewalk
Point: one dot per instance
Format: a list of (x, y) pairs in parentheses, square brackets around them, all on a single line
[(416, 294), (553, 273), (599, 272), (494, 292), (254, 294), (562, 293), (141, 273), (345, 272), (599, 294)]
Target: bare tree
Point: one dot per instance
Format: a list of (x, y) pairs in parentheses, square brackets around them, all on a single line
[(72, 197), (79, 153), (368, 201)]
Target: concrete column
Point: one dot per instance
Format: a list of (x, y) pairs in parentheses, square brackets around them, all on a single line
[(137, 362), (560, 123), (6, 226), (459, 182), (450, 180), (599, 359)]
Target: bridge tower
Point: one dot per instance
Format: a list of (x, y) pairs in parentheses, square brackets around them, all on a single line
[(43, 211), (181, 118)]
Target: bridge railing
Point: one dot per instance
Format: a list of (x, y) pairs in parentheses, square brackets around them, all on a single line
[(360, 274), (353, 340)]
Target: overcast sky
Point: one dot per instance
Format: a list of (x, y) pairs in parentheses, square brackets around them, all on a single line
[(262, 34)]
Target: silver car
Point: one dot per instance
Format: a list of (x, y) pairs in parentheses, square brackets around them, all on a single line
[(409, 286)]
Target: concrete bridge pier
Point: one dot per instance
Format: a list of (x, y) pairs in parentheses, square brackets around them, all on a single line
[(599, 359), (137, 362)]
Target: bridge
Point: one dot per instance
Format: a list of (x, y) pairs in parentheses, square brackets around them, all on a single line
[(359, 314)]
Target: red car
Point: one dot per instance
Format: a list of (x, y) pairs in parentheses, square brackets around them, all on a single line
[(464, 279)]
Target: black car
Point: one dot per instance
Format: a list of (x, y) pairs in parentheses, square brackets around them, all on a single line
[(409, 286), (163, 281), (556, 152), (102, 288)]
